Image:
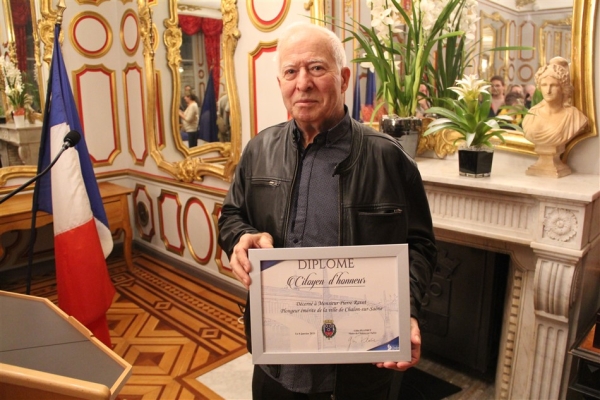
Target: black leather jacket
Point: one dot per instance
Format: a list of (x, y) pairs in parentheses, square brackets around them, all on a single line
[(382, 199)]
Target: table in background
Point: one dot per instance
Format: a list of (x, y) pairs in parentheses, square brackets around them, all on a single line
[(15, 214)]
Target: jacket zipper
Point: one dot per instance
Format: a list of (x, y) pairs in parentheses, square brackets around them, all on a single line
[(289, 201)]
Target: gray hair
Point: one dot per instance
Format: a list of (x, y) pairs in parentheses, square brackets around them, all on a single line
[(335, 44)]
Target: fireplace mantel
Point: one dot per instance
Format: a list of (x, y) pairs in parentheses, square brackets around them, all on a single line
[(545, 224)]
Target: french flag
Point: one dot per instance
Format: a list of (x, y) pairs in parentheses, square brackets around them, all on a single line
[(82, 239)]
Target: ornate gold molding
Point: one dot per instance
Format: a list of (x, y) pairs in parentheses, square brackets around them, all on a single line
[(496, 17), (317, 11), (582, 71), (582, 67), (73, 34), (442, 143), (231, 35), (186, 231), (191, 168), (127, 50), (165, 195), (252, 57), (267, 26), (112, 91), (146, 26), (543, 34), (46, 29)]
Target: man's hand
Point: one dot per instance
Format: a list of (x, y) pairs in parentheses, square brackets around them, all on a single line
[(415, 350), (239, 262)]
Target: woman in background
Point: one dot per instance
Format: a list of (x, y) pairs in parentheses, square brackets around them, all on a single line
[(189, 119)]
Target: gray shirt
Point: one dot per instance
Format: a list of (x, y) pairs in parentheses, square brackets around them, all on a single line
[(315, 221)]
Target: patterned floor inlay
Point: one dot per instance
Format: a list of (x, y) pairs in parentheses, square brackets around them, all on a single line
[(171, 327)]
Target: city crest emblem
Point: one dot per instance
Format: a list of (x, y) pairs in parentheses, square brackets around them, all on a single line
[(328, 328)]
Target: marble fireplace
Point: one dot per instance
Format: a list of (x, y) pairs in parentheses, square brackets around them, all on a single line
[(550, 229)]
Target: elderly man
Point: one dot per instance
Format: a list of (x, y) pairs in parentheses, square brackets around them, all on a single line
[(323, 179)]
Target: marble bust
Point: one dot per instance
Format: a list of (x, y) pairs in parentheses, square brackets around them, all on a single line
[(554, 121)]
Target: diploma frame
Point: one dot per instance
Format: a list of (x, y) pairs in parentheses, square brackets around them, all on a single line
[(391, 260)]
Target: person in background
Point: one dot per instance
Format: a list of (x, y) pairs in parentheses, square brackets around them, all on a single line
[(332, 181), (187, 90), (529, 92), (497, 91), (223, 123), (189, 119), (516, 100), (516, 88)]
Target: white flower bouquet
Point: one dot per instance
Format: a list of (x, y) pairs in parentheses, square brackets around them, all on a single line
[(14, 87)]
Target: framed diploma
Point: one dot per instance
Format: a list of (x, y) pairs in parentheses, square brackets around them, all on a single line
[(330, 305)]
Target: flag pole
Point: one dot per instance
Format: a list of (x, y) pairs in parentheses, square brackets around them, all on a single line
[(61, 6)]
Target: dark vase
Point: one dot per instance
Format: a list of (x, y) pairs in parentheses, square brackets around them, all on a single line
[(475, 163), (406, 129)]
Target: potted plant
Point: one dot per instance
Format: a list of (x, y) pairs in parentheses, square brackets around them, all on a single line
[(397, 46), (469, 117), (15, 90)]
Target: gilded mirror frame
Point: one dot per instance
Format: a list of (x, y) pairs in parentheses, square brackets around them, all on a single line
[(194, 167), (582, 72), (487, 21)]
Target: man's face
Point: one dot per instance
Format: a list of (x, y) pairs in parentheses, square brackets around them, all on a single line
[(497, 88), (551, 89), (311, 84)]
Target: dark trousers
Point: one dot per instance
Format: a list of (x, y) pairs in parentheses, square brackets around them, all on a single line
[(192, 139), (266, 388)]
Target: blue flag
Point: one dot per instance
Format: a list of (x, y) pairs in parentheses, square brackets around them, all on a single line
[(82, 239), (207, 126), (356, 101), (371, 89)]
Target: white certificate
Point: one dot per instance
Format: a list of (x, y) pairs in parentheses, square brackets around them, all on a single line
[(330, 305)]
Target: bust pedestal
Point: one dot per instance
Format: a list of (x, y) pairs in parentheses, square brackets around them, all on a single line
[(549, 163)]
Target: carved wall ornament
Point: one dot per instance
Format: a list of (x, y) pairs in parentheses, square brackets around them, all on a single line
[(523, 3), (560, 224), (142, 213)]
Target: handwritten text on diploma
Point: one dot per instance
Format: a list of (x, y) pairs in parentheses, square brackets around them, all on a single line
[(312, 280)]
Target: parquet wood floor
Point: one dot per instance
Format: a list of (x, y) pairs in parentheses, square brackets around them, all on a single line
[(170, 326), (173, 327)]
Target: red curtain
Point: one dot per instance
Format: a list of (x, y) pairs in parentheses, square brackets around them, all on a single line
[(190, 25), (21, 16), (212, 30)]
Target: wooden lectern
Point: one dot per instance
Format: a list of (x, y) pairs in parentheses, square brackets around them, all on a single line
[(45, 354)]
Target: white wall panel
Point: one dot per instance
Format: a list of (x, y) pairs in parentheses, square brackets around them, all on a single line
[(95, 86)]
